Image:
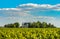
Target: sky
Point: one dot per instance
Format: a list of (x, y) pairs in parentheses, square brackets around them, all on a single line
[(30, 11)]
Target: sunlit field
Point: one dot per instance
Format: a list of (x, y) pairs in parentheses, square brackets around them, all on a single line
[(29, 33)]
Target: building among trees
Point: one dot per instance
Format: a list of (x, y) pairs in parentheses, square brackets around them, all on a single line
[(37, 24), (25, 25)]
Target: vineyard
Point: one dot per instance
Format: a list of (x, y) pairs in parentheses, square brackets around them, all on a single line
[(29, 33)]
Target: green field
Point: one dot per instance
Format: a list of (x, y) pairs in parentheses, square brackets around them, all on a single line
[(29, 33)]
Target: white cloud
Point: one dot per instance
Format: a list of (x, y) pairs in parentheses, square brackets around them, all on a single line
[(58, 5), (9, 9), (22, 13), (44, 17), (30, 6), (25, 9), (40, 6)]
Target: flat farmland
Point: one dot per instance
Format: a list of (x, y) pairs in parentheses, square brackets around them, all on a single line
[(29, 33)]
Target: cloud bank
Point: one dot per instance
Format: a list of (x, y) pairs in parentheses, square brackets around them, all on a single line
[(22, 12), (30, 6), (25, 9), (40, 6)]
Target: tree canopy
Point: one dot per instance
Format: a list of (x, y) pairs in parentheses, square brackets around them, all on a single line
[(37, 24), (14, 25)]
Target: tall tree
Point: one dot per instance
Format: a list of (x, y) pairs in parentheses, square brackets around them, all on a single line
[(38, 24), (44, 24), (16, 24)]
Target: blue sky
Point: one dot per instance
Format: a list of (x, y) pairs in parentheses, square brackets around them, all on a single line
[(29, 11), (14, 3)]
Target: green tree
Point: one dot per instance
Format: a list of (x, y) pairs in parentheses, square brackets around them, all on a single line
[(16, 24), (51, 25), (44, 25), (33, 25), (38, 24)]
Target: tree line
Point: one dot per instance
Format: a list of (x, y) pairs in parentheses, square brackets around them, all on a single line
[(12, 25), (37, 24)]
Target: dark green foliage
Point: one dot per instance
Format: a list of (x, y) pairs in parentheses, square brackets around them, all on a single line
[(41, 25), (14, 25), (37, 24)]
